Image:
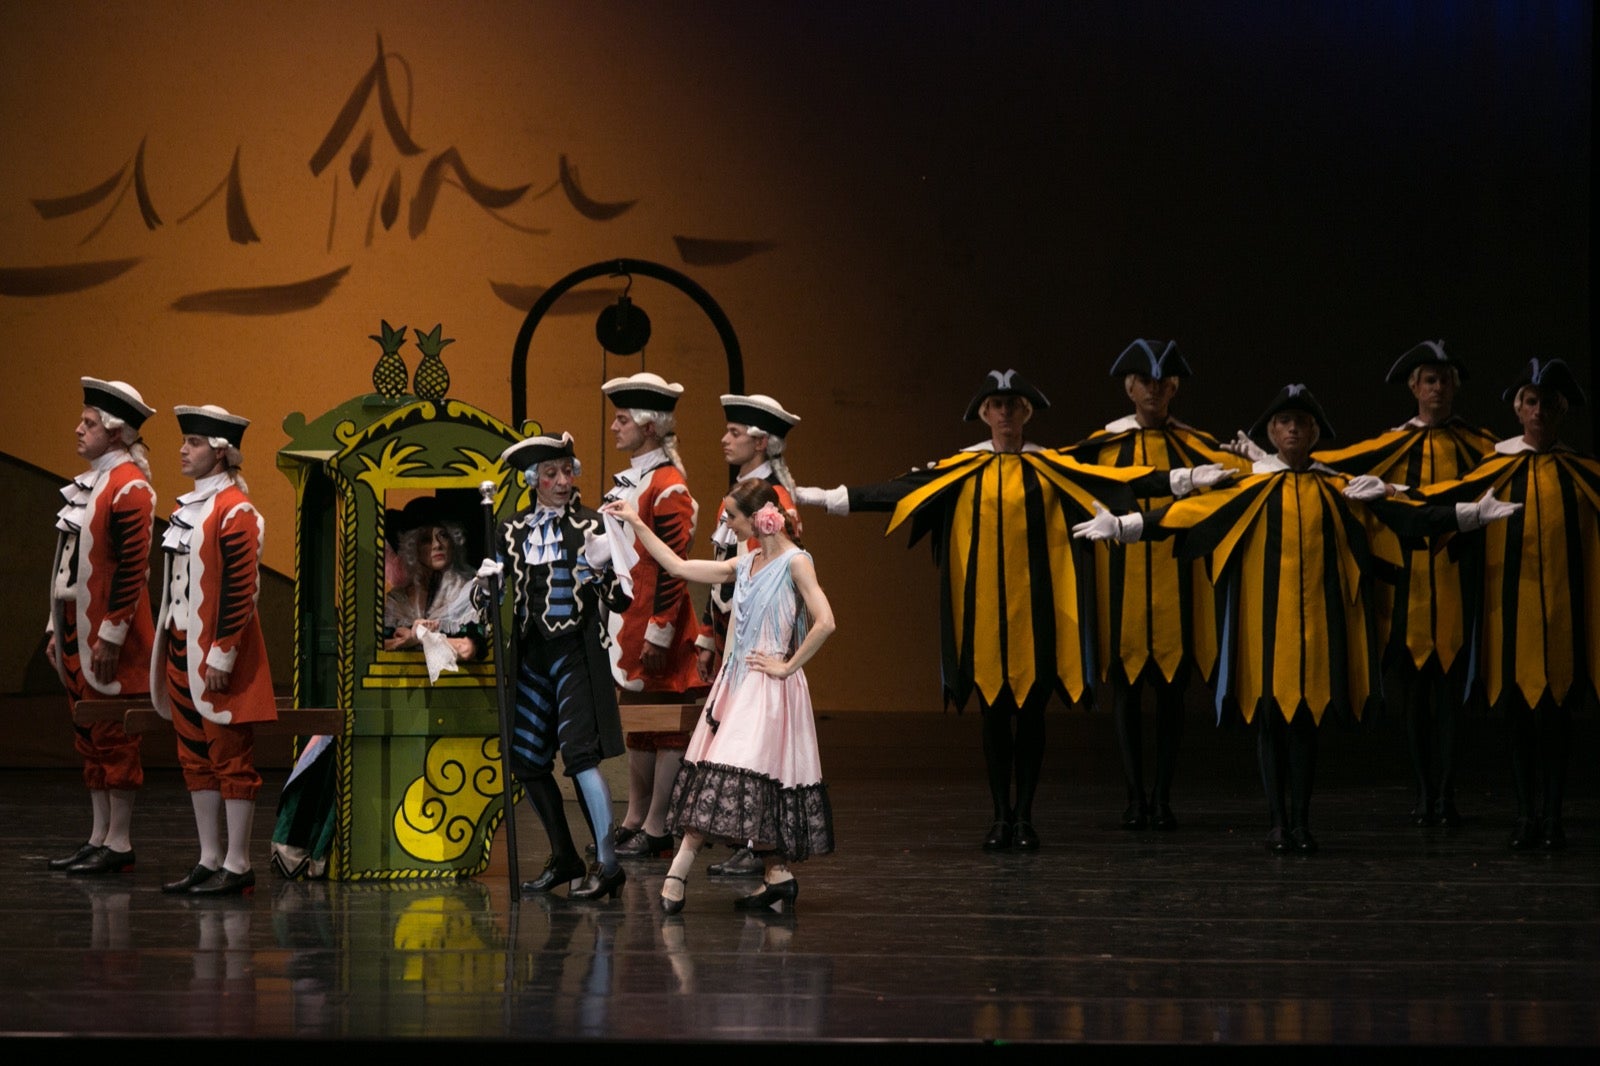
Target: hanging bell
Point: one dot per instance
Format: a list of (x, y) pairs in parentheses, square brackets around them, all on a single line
[(622, 329)]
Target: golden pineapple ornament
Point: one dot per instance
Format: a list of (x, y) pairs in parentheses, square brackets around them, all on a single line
[(389, 375), (432, 380)]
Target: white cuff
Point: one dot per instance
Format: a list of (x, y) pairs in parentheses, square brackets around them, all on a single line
[(218, 659), (836, 500), (1180, 480), (660, 636), (1130, 528), (1468, 517), (114, 633), (704, 642)]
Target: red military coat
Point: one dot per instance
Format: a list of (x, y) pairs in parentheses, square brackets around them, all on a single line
[(108, 561), (213, 563)]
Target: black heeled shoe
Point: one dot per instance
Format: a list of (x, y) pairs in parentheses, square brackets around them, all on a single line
[(1024, 837), (557, 871), (770, 896), (1136, 815), (673, 906), (1301, 840), (1446, 815), (1162, 818), (1276, 842), (1554, 837), (189, 880), (599, 885), (85, 850), (1422, 814), (1522, 835), (999, 838)]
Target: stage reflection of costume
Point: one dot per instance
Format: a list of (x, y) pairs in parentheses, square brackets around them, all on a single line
[(1424, 617), (1538, 646), (752, 770), (100, 592), (209, 618), (1156, 614)]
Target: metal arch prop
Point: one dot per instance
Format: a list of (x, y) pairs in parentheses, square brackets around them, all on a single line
[(608, 268)]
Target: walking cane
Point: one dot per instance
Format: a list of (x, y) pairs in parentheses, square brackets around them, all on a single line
[(502, 686)]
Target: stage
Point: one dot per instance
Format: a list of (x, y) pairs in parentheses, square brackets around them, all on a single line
[(1390, 936)]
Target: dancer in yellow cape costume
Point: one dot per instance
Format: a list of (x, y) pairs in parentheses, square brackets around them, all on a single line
[(1016, 600)]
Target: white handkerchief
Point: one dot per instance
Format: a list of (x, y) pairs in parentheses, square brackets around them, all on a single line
[(437, 652)]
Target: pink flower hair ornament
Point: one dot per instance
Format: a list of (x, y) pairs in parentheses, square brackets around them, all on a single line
[(767, 520)]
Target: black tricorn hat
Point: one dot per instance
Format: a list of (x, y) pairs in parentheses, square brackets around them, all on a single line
[(1292, 398), (527, 454), (1009, 383), (1153, 359), (643, 391), (1549, 374), (1428, 353), (422, 511), (209, 420), (116, 398), (761, 411)]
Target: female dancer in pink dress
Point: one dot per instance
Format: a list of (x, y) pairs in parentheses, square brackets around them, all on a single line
[(751, 772)]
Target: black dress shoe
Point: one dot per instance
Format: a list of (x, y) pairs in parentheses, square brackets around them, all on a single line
[(1554, 838), (783, 894), (1523, 835), (85, 850), (1422, 814), (226, 883), (557, 871), (1276, 842), (645, 846), (1162, 818), (743, 863), (999, 838), (189, 880), (102, 861), (599, 885), (1301, 840), (1445, 814), (1024, 837), (1136, 815)]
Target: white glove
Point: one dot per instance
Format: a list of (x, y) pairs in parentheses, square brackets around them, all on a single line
[(491, 568), (1366, 487), (1210, 475), (835, 500), (1486, 509), (1107, 526), (1243, 445)]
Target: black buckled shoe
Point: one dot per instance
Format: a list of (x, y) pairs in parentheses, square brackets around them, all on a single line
[(558, 870), (1136, 815), (1523, 835), (102, 861), (85, 850), (1554, 838), (1024, 837), (1301, 840), (771, 897), (1276, 842), (1446, 815), (1162, 818), (198, 875), (599, 885), (999, 838)]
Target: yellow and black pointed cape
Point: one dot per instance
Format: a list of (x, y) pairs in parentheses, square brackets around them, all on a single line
[(1292, 560), (1539, 626), (1014, 591), (1151, 607), (1425, 614)]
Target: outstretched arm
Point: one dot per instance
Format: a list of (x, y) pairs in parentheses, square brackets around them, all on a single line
[(704, 571), (822, 624)]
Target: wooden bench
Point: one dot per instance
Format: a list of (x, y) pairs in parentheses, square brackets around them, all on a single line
[(137, 716)]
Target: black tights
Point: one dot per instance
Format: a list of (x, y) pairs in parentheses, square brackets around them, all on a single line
[(1021, 753), (1126, 710), (1540, 738), (1287, 752), (1432, 701)]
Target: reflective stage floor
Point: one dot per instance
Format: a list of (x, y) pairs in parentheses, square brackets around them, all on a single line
[(1390, 936)]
